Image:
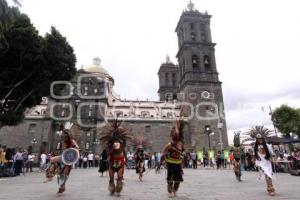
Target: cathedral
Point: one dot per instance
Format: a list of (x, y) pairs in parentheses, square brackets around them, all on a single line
[(190, 89)]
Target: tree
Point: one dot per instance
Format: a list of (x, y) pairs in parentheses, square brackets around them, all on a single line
[(29, 63), (287, 120)]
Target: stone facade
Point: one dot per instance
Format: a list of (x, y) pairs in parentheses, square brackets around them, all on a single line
[(89, 101)]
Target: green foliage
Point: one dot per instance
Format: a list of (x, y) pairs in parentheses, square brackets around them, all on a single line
[(287, 120), (29, 64)]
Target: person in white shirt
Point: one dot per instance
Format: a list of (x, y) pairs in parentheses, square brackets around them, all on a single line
[(30, 161), (91, 159), (43, 158)]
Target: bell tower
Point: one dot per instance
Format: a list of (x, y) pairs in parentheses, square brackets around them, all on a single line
[(199, 82)]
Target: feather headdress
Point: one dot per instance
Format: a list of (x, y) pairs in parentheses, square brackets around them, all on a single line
[(114, 132), (259, 132), (236, 139), (177, 130), (141, 142)]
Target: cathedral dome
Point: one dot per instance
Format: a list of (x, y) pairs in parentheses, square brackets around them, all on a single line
[(96, 67)]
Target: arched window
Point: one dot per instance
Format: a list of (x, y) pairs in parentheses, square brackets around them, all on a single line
[(203, 37), (169, 115), (192, 26), (206, 61), (193, 36), (118, 113), (195, 61), (167, 79)]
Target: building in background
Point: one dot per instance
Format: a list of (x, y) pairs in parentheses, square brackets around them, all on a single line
[(90, 100)]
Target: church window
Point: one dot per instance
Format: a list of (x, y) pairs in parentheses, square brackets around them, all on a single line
[(167, 78), (168, 96), (206, 61), (192, 26), (174, 83), (175, 96), (147, 128), (32, 128), (169, 115), (202, 27), (43, 111), (193, 36), (118, 113), (203, 37), (195, 61), (174, 79)]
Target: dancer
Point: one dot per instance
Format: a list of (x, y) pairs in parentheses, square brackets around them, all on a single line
[(62, 165), (237, 152), (115, 138), (263, 155), (140, 143), (173, 157)]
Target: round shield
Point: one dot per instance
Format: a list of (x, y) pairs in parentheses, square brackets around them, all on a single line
[(70, 156)]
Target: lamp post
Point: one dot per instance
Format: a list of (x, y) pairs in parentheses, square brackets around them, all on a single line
[(96, 143), (220, 126), (33, 142), (271, 113), (208, 132)]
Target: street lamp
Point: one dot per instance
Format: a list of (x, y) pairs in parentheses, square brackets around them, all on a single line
[(220, 126), (96, 143), (209, 133), (33, 142)]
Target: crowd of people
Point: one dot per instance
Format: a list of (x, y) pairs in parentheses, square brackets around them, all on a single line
[(16, 161)]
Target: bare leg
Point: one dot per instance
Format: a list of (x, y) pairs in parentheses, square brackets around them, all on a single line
[(170, 188), (176, 187), (119, 186), (270, 187), (111, 186), (63, 178), (141, 167), (237, 170)]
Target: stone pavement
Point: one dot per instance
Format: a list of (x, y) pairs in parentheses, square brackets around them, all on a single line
[(200, 184)]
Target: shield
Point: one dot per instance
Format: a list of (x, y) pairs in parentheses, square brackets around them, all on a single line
[(70, 156)]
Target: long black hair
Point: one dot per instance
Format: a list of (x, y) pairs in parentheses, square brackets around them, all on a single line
[(268, 155)]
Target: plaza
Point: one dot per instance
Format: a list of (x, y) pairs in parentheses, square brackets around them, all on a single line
[(209, 184)]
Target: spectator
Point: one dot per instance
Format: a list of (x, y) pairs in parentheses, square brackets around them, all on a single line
[(30, 161), (97, 159), (157, 162), (91, 159), (85, 161), (129, 160), (18, 159), (103, 162), (43, 161), (80, 161), (149, 158), (218, 159), (194, 159), (152, 160), (205, 160)]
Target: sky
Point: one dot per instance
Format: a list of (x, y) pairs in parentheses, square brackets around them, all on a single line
[(257, 51)]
